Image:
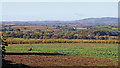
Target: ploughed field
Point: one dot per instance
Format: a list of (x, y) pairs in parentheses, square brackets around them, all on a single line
[(65, 54), (58, 60)]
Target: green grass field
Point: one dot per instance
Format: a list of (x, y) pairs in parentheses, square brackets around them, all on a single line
[(80, 29), (100, 50)]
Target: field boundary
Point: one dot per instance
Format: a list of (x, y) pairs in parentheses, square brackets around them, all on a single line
[(28, 53), (38, 41)]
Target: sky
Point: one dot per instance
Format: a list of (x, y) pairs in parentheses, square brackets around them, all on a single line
[(59, 0), (65, 11)]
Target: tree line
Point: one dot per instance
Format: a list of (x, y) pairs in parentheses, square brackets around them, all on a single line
[(38, 34)]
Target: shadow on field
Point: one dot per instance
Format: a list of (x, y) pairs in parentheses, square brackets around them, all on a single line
[(10, 64), (14, 53), (7, 64)]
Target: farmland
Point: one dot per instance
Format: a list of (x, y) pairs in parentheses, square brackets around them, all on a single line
[(63, 54), (36, 61), (107, 51), (37, 41), (61, 44)]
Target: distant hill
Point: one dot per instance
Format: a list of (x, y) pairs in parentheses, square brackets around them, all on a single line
[(99, 21), (86, 22)]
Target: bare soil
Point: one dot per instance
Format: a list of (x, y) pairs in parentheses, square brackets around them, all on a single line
[(58, 60)]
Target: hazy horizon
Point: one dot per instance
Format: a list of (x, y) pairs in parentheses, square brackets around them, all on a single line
[(57, 20), (58, 11)]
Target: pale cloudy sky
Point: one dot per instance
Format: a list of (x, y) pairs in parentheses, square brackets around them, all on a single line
[(67, 11), (59, 0)]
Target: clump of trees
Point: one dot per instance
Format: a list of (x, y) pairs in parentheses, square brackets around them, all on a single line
[(4, 44), (62, 32), (98, 35)]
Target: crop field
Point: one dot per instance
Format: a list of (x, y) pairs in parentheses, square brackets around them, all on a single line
[(39, 41), (98, 50), (29, 28)]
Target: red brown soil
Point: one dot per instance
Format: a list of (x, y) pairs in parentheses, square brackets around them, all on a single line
[(30, 26), (58, 60)]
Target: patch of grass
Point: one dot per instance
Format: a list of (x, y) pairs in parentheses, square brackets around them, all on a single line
[(80, 29), (100, 50)]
